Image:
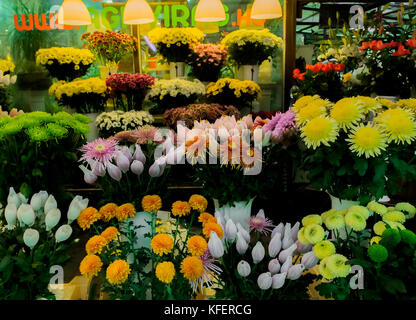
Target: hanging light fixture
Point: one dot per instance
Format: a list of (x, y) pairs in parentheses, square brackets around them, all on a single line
[(74, 13), (210, 11), (138, 12), (266, 9)]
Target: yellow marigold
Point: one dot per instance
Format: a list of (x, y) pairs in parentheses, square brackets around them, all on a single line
[(95, 245), (151, 203), (208, 227), (198, 202), (181, 208), (118, 272), (165, 272), (110, 234), (125, 211), (87, 217), (197, 245), (108, 211), (206, 217), (90, 266), (162, 244), (192, 268)]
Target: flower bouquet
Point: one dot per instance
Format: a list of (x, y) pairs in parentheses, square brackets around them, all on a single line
[(111, 123), (233, 92), (354, 149), (197, 112), (175, 93), (129, 90), (83, 95), (207, 60), (174, 43), (33, 244), (5, 81), (65, 63)]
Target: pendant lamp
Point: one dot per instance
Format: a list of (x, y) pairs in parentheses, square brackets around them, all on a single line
[(266, 9), (210, 11), (74, 13), (138, 12)]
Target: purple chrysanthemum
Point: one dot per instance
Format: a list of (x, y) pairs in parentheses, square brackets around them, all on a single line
[(279, 124)]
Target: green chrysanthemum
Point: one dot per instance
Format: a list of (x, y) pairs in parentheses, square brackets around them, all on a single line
[(56, 131), (327, 214), (363, 211), (324, 270), (312, 219), (81, 118), (314, 233), (406, 207), (395, 216), (301, 236), (408, 237), (377, 208), (324, 249), (337, 266), (378, 253), (355, 221), (39, 134), (11, 128), (390, 238), (336, 221), (379, 228)]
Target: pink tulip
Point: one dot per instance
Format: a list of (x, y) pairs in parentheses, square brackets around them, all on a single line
[(278, 280), (122, 162), (98, 169), (295, 272), (137, 167), (89, 177), (139, 155), (288, 263), (274, 266), (114, 172), (154, 170)]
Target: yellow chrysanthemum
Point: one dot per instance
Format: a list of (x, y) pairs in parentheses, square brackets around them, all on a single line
[(324, 270), (165, 272), (197, 246), (327, 214), (90, 266), (337, 266), (370, 104), (162, 244), (375, 240), (301, 236), (312, 219), (125, 211), (363, 211), (108, 211), (181, 208), (110, 234), (198, 202), (319, 131), (355, 221), (151, 203), (347, 112), (387, 103), (314, 233), (395, 216), (87, 217), (303, 102), (324, 249), (192, 268), (210, 226), (395, 225), (206, 217), (406, 207), (315, 109), (335, 222), (379, 228), (118, 272), (377, 207), (398, 125), (95, 245), (368, 140)]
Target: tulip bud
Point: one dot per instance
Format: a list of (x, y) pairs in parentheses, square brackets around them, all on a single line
[(217, 216), (258, 252), (98, 169), (126, 152), (10, 213), (137, 167), (77, 205), (243, 268), (288, 263), (265, 281), (279, 280), (279, 229), (31, 238), (154, 170), (287, 252), (36, 202), (50, 204), (295, 272), (215, 246), (139, 155), (309, 260), (274, 266), (243, 232), (89, 176), (275, 245), (261, 214), (294, 231), (303, 248), (13, 198), (230, 230), (114, 172), (287, 241), (44, 197), (52, 218), (122, 162), (241, 245), (27, 215), (171, 156), (23, 199), (63, 233)]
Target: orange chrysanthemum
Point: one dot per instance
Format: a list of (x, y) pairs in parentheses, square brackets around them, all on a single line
[(108, 211), (192, 268), (87, 217), (90, 266), (95, 245), (206, 217), (181, 208), (151, 203), (162, 244), (110, 234), (125, 211), (198, 202), (165, 272), (197, 245), (208, 227), (118, 272)]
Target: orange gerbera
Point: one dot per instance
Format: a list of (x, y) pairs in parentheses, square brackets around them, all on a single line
[(110, 234), (208, 227), (181, 208), (90, 266), (192, 268), (198, 202), (95, 245), (206, 217), (108, 211), (197, 246), (87, 217), (151, 203), (125, 211), (162, 244)]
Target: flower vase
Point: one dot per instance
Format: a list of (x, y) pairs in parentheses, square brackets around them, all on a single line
[(143, 222), (107, 70), (177, 70), (94, 131), (239, 212), (249, 72)]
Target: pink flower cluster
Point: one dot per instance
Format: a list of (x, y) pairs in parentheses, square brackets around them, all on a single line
[(280, 124), (206, 53), (126, 82)]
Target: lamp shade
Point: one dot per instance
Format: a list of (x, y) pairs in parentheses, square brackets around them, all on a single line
[(74, 13), (138, 12), (210, 11), (266, 9)]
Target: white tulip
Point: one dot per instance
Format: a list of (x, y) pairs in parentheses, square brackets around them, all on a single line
[(261, 214), (295, 272), (10, 213), (274, 266), (52, 218), (279, 280), (27, 214), (243, 232), (31, 238), (258, 252), (215, 246), (230, 230), (77, 205), (288, 263), (287, 252), (279, 229), (243, 268), (36, 202), (63, 233), (241, 245), (50, 204), (275, 245), (294, 231), (309, 260), (13, 198), (23, 199), (265, 281)]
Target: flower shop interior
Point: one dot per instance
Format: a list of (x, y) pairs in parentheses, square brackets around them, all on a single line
[(207, 150)]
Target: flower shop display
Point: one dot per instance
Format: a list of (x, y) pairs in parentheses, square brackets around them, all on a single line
[(111, 123), (268, 262), (233, 92), (83, 95), (65, 63), (36, 147), (323, 79), (5, 81), (198, 112), (34, 238), (250, 48), (354, 149), (372, 237), (128, 91), (207, 60), (7, 66), (175, 93)]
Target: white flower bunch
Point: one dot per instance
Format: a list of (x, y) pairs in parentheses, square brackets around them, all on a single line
[(342, 54), (6, 80), (123, 120), (176, 86)]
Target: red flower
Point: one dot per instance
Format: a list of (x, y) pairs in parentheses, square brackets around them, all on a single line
[(365, 46), (339, 67), (411, 43), (326, 67), (401, 51), (394, 44)]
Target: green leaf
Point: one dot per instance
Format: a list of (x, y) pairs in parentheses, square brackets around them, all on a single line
[(37, 172), (341, 171), (25, 189), (361, 165), (4, 263), (393, 286)]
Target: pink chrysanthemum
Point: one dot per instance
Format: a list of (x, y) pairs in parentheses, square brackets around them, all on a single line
[(100, 150), (260, 224), (280, 124), (141, 135), (210, 269)]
